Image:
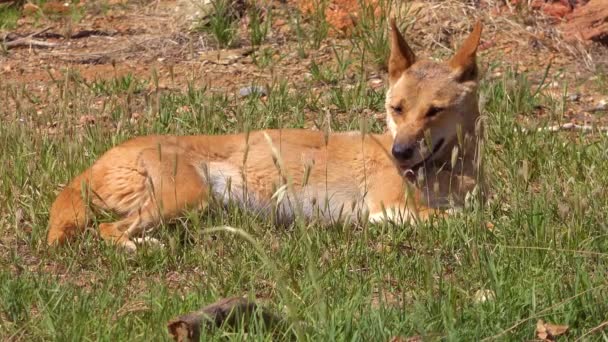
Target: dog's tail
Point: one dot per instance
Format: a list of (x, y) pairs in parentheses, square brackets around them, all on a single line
[(69, 214)]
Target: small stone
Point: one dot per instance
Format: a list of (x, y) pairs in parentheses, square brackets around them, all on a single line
[(247, 91), (574, 97)]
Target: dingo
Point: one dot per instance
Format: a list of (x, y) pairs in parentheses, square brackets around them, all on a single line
[(431, 111)]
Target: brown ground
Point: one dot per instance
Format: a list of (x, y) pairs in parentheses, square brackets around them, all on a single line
[(135, 37), (138, 37)]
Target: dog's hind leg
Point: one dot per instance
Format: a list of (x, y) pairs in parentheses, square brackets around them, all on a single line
[(174, 185)]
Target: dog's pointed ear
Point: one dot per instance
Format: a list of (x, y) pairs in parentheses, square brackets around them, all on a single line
[(464, 61), (402, 56)]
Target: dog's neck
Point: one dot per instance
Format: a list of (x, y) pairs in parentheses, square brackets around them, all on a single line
[(465, 144), (459, 155)]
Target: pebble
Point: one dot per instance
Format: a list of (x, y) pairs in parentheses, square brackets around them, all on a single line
[(574, 97), (246, 91)]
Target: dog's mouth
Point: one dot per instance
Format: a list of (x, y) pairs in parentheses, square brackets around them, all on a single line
[(410, 172)]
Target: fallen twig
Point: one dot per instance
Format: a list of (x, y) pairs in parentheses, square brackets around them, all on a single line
[(37, 33), (593, 331), (10, 36), (548, 249), (12, 40), (29, 41), (541, 312)]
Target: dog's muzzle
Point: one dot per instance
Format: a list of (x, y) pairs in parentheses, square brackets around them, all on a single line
[(411, 171)]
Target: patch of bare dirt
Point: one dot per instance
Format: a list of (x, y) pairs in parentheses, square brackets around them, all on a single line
[(588, 23), (128, 37), (137, 38)]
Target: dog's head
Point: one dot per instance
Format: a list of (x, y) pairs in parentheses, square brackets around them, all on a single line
[(430, 103)]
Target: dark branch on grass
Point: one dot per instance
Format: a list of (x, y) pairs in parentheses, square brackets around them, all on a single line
[(27, 40), (12, 40), (234, 312)]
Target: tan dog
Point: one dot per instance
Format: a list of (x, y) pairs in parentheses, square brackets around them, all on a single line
[(431, 113)]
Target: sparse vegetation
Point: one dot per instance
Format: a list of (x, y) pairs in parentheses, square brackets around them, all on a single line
[(259, 24), (221, 23), (537, 249), (370, 35)]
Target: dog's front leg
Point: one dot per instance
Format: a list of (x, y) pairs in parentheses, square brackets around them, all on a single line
[(406, 214)]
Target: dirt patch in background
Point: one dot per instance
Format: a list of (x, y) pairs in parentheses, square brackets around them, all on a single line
[(117, 38), (127, 38)]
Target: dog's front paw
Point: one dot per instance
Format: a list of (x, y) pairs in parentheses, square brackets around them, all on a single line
[(128, 246)]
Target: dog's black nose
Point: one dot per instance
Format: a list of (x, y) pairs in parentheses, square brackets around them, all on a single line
[(402, 152)]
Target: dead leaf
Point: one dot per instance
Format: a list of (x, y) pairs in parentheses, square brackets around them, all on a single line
[(56, 7), (549, 331), (279, 23), (555, 329), (490, 226)]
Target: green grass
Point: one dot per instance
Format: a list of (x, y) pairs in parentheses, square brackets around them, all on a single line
[(259, 26), (8, 17), (544, 256), (221, 23)]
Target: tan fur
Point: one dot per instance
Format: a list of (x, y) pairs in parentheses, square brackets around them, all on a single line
[(289, 172)]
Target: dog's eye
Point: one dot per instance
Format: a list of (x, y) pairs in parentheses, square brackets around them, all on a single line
[(433, 111), (397, 109)]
